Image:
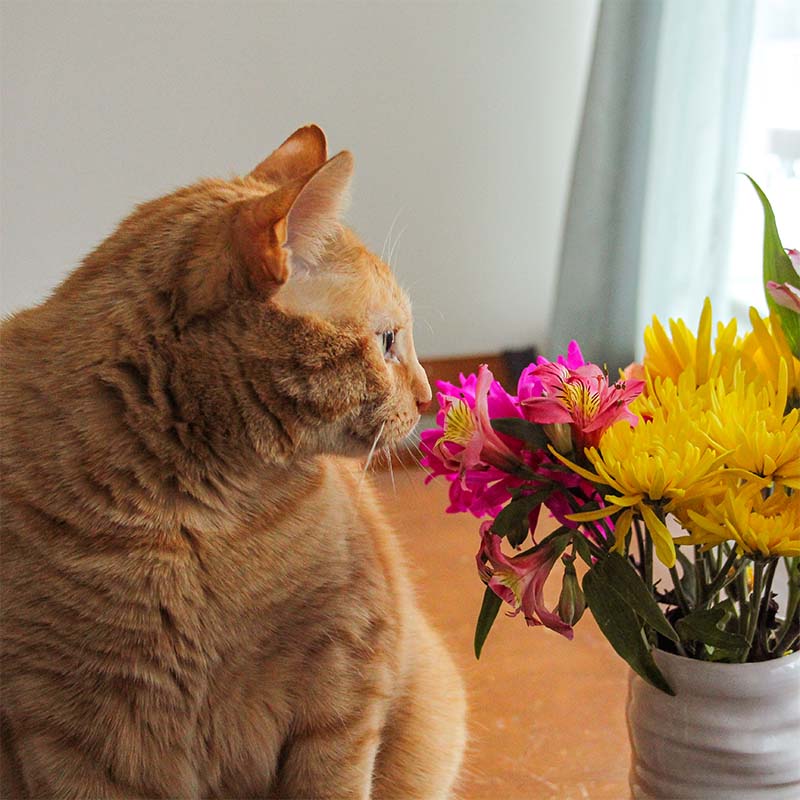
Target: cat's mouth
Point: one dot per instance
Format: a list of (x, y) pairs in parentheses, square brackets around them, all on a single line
[(390, 433)]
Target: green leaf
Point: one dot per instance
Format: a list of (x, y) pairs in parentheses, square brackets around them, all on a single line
[(688, 576), (621, 626), (488, 613), (702, 626), (528, 432), (623, 579), (582, 546), (512, 521), (557, 542), (778, 267)]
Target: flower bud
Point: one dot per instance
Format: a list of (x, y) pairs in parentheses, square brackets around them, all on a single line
[(560, 434), (571, 603)]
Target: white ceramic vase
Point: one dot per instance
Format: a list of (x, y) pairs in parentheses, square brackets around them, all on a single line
[(732, 732)]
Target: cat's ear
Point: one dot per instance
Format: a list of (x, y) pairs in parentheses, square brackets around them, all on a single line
[(303, 152), (291, 226)]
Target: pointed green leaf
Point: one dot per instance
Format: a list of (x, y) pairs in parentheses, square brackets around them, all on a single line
[(702, 626), (583, 549), (528, 432), (688, 577), (778, 267), (512, 521), (488, 613), (622, 628), (623, 579)]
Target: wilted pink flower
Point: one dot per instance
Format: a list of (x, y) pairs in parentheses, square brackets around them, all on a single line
[(785, 294), (582, 398), (520, 580)]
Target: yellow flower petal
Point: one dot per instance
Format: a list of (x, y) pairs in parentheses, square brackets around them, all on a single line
[(623, 525), (590, 516), (662, 538)]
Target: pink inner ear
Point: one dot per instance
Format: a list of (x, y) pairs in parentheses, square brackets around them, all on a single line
[(315, 214)]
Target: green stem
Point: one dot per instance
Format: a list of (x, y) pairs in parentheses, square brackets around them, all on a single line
[(762, 634), (683, 601), (721, 579), (637, 527), (754, 607), (741, 591), (700, 577), (785, 634), (648, 564)]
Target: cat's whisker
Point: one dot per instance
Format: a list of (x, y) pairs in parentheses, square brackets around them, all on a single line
[(389, 459), (411, 478), (389, 233), (390, 259), (414, 443), (372, 449), (425, 307)]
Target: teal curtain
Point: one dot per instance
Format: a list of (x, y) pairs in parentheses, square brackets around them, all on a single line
[(648, 219)]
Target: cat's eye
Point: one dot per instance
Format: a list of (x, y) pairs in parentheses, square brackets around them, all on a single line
[(387, 342)]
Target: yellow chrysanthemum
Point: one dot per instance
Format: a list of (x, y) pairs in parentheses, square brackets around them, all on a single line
[(681, 397), (760, 528), (765, 350), (759, 352), (652, 468), (669, 356), (749, 424)]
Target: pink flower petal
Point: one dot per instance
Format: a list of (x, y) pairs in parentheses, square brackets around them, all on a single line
[(520, 580), (784, 294)]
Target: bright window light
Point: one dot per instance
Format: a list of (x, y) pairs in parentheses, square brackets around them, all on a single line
[(769, 150)]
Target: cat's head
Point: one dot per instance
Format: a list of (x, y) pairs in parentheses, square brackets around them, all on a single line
[(282, 318)]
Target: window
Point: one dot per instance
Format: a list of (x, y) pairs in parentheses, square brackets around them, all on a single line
[(769, 150)]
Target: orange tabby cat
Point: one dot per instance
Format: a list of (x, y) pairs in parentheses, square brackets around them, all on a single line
[(199, 597)]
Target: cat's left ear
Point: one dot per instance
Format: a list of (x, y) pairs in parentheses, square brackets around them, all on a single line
[(290, 227), (303, 152)]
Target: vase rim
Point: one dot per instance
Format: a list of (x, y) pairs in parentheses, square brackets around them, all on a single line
[(722, 666)]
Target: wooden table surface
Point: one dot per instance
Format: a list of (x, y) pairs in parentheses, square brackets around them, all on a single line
[(547, 716)]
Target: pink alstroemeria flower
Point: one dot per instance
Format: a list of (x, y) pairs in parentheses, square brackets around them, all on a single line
[(583, 399), (784, 294), (519, 581), (471, 428), (463, 445), (531, 386)]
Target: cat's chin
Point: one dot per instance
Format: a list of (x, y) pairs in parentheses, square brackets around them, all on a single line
[(360, 443)]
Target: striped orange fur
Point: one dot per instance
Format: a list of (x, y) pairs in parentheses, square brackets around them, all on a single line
[(200, 596)]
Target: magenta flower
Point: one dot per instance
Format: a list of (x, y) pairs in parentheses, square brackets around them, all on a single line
[(582, 398), (519, 581), (470, 427), (785, 294), (467, 451), (481, 465)]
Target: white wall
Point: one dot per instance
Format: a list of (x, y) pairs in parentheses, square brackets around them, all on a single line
[(462, 117)]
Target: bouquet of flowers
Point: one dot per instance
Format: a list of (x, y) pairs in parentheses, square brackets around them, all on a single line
[(691, 458)]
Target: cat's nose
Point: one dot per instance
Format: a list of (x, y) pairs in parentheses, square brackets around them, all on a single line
[(423, 406)]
